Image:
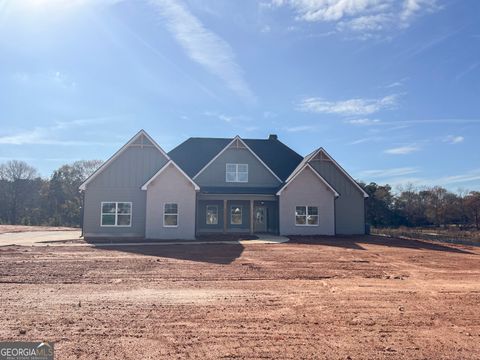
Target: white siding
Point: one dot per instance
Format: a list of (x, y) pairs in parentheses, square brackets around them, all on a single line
[(307, 190)]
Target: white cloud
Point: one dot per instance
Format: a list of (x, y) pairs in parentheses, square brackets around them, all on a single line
[(454, 139), (227, 118), (364, 122), (386, 173), (300, 128), (203, 46), (359, 16), (348, 107), (402, 150), (49, 135)]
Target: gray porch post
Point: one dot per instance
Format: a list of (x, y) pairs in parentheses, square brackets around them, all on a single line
[(224, 216), (251, 216)]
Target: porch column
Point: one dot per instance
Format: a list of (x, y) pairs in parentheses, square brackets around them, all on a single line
[(251, 216), (224, 216)]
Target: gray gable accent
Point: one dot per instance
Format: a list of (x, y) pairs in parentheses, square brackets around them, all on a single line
[(155, 158), (258, 175), (193, 154)]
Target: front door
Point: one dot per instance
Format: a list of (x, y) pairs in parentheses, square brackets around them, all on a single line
[(260, 219)]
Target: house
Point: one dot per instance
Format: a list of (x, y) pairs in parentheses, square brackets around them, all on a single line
[(218, 185)]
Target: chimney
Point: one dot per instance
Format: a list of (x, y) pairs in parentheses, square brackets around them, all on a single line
[(273, 137)]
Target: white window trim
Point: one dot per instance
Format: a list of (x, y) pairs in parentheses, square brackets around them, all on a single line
[(178, 214), (306, 215), (241, 213), (206, 214), (116, 213), (236, 173)]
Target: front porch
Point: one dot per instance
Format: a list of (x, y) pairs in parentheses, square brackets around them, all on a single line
[(237, 213)]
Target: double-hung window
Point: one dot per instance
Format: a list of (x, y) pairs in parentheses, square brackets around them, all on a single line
[(306, 215), (236, 173), (116, 213), (170, 215), (212, 215)]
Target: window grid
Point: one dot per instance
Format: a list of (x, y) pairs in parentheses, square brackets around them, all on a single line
[(236, 173), (212, 215), (116, 214), (306, 215), (170, 215)]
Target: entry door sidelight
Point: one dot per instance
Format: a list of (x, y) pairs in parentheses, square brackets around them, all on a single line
[(260, 219)]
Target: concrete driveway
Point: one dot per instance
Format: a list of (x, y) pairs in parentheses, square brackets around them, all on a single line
[(40, 238), (72, 238)]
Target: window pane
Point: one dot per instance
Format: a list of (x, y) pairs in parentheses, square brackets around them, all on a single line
[(236, 215), (171, 209), (212, 214), (123, 220), (312, 210), (300, 210), (108, 219), (242, 168), (300, 220), (108, 208), (242, 177), (124, 208), (170, 220), (312, 220), (231, 177)]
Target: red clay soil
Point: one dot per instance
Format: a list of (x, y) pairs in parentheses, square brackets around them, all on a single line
[(312, 298), (23, 228)]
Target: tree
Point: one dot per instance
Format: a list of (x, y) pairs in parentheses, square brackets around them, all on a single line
[(472, 204), (17, 180), (379, 205)]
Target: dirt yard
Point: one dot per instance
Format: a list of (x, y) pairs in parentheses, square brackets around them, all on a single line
[(350, 298)]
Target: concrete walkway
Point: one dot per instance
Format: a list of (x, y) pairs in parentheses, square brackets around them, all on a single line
[(72, 238)]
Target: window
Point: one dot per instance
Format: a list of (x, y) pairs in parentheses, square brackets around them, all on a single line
[(170, 215), (306, 215), (212, 214), (236, 173), (116, 213), (236, 215)]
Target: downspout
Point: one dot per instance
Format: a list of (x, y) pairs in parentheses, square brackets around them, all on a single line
[(335, 216), (82, 214)]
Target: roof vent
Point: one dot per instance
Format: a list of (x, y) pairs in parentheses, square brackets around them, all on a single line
[(273, 137)]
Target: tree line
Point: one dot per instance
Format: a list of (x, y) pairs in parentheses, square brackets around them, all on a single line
[(420, 207), (28, 199)]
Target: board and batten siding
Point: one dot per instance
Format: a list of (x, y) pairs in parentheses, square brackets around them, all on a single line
[(121, 181), (258, 175), (171, 186), (350, 205), (307, 190)]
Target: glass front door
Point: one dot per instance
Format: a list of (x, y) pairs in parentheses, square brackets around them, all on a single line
[(260, 219)]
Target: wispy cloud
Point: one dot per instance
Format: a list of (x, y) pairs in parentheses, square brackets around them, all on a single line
[(387, 173), (348, 107), (402, 150), (469, 69), (203, 46), (364, 17), (364, 122), (226, 117), (300, 128), (49, 135), (453, 139), (366, 139)]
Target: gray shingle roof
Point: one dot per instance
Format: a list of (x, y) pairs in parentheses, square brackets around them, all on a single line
[(194, 153)]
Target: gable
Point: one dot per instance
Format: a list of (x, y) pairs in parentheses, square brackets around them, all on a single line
[(131, 166), (309, 179), (258, 175), (336, 176), (169, 168)]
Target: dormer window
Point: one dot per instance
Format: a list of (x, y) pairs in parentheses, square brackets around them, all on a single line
[(236, 173)]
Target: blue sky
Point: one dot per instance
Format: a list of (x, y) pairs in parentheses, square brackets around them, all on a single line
[(391, 88)]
